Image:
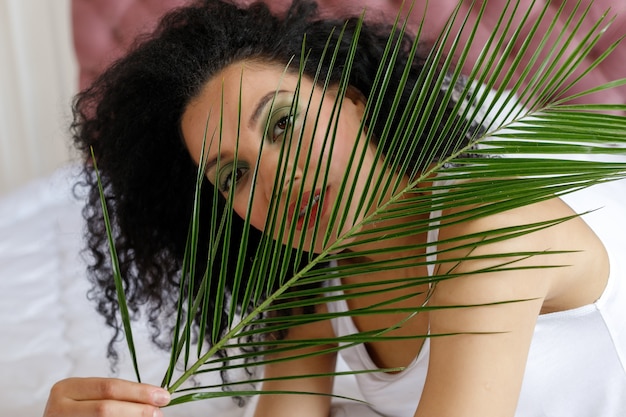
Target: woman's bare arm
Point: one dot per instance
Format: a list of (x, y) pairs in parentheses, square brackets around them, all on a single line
[(472, 374), (296, 405)]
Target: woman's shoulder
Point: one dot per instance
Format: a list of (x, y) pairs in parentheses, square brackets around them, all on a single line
[(548, 243)]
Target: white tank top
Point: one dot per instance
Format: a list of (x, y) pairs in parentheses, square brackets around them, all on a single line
[(577, 361)]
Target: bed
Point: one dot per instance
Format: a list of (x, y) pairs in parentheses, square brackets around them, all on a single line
[(48, 328)]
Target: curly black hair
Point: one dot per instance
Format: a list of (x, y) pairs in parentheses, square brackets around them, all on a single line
[(131, 119)]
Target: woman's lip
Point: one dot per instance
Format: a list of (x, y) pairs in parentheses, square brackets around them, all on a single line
[(307, 198)]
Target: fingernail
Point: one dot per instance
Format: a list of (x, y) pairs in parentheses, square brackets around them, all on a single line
[(157, 413), (161, 397)]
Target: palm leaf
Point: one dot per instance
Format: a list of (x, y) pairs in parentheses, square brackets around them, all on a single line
[(528, 136)]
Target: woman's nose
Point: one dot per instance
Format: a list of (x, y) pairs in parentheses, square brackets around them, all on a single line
[(276, 173)]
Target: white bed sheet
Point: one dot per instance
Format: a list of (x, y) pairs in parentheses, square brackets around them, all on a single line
[(48, 328)]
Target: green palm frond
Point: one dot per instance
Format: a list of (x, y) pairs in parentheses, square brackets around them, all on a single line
[(530, 140)]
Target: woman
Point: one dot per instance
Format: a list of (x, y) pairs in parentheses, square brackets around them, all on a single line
[(151, 119)]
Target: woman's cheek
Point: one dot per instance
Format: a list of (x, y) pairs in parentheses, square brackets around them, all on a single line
[(311, 144)]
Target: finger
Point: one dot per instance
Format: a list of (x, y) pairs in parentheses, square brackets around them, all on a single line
[(85, 389), (110, 408)]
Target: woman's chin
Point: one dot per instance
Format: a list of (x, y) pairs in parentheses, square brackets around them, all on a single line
[(314, 243)]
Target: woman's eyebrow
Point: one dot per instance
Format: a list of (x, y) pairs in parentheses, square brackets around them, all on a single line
[(261, 105)]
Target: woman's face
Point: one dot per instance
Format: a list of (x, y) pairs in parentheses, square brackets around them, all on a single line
[(252, 114)]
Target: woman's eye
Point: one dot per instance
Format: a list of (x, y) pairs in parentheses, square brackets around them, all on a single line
[(229, 176), (281, 126)]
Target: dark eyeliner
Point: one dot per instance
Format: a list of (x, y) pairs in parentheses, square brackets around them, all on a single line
[(222, 178), (275, 117), (232, 170)]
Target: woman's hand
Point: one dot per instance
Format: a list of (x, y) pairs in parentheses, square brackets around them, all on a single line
[(102, 397)]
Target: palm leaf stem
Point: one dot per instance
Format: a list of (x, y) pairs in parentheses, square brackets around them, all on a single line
[(117, 275)]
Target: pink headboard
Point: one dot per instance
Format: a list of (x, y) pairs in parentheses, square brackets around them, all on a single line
[(103, 29)]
